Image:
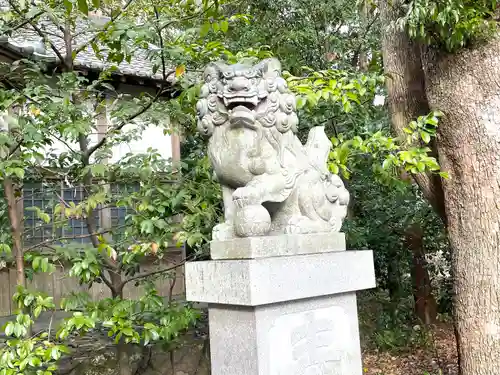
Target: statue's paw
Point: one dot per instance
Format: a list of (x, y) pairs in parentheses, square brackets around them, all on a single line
[(223, 231), (246, 196), (335, 223), (304, 225), (294, 229)]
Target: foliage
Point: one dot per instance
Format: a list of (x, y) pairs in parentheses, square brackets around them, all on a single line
[(387, 326), (149, 319), (189, 190), (5, 237), (322, 35), (395, 154), (51, 112), (450, 24), (24, 353), (380, 215)]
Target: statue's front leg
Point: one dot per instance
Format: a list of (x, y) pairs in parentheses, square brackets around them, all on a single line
[(225, 231), (263, 188), (251, 217)]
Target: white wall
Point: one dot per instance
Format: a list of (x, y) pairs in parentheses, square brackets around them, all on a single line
[(152, 136)]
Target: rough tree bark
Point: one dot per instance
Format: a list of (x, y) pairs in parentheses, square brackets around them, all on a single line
[(406, 92), (466, 88)]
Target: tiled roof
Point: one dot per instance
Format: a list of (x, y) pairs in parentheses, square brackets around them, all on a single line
[(28, 42)]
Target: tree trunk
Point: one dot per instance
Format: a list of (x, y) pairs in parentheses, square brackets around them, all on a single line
[(425, 303), (466, 88), (123, 353), (15, 219), (394, 278), (406, 91)]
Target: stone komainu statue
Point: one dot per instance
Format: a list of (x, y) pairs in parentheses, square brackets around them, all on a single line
[(271, 183)]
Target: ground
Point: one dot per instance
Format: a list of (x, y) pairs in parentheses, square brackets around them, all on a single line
[(441, 356)]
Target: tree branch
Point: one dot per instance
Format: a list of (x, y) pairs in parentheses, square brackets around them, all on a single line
[(153, 273), (64, 238), (106, 281), (38, 30), (88, 152), (24, 22), (106, 27), (163, 65), (355, 58)]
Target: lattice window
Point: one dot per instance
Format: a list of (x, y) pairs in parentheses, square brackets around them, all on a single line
[(46, 195)]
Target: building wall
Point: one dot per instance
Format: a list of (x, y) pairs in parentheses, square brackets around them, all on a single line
[(152, 136)]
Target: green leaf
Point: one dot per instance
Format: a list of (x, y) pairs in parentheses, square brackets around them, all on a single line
[(27, 301), (425, 136), (34, 361), (96, 3), (55, 354), (301, 102), (37, 311), (19, 173), (44, 217), (147, 227), (347, 106), (334, 168), (9, 329), (68, 5), (128, 331), (204, 29), (5, 248), (45, 264), (83, 7), (36, 263), (224, 26)]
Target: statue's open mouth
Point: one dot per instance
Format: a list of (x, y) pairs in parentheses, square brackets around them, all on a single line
[(247, 105), (247, 102), (241, 111)]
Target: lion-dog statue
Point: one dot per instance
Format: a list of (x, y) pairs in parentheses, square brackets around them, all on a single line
[(271, 183)]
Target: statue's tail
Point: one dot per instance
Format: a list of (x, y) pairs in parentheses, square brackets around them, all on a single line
[(318, 147)]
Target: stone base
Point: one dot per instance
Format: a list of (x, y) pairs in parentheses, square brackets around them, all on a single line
[(304, 337), (255, 282), (271, 246), (290, 313)]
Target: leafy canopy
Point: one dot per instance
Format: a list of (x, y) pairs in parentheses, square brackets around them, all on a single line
[(450, 24)]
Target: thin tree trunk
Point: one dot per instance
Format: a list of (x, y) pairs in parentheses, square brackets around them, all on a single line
[(363, 16), (425, 303), (466, 88), (15, 229), (394, 277)]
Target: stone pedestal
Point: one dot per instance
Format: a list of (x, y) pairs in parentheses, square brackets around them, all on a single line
[(282, 305)]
